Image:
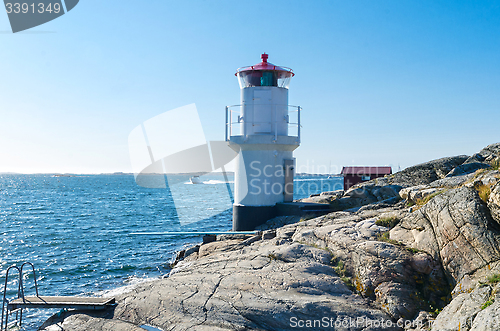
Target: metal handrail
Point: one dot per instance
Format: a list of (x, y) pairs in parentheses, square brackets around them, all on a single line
[(34, 277), (6, 313), (20, 294), (229, 121)]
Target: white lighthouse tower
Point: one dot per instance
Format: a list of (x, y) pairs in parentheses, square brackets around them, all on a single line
[(265, 131)]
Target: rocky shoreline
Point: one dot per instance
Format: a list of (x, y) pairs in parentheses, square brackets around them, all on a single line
[(402, 252)]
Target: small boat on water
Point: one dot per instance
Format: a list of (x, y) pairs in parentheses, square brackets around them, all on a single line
[(195, 180)]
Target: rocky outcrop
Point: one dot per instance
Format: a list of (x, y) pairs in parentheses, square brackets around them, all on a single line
[(397, 249), (460, 313), (488, 154), (467, 168), (424, 173), (494, 202), (269, 284), (456, 228)]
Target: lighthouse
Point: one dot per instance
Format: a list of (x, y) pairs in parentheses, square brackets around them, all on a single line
[(264, 130)]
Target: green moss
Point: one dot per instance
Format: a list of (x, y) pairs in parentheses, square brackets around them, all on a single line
[(388, 222), (487, 304)]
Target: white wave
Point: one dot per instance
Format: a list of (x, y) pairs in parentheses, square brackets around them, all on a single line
[(132, 282), (315, 179), (211, 182)]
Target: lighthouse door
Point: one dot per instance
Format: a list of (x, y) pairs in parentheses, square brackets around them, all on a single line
[(289, 166), (263, 112)]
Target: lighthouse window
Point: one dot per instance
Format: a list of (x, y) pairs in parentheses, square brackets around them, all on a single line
[(284, 80), (269, 79), (264, 78)]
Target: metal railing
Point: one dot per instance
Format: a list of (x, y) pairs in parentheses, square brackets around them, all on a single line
[(4, 324), (235, 112)]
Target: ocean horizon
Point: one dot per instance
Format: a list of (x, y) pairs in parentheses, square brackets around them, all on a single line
[(76, 230)]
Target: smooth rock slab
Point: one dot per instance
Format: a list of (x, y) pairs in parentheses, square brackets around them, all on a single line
[(461, 312)]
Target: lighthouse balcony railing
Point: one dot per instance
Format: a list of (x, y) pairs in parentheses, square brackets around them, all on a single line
[(235, 122)]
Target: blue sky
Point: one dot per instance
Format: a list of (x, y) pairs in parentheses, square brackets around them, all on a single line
[(380, 82)]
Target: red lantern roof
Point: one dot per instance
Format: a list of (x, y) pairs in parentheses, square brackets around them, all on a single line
[(264, 65)]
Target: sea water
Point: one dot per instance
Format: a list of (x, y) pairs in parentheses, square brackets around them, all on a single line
[(76, 230)]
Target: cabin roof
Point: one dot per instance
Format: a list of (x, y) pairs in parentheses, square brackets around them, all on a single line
[(366, 171)]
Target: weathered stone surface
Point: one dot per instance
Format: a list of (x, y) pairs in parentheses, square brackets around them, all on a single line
[(82, 322), (461, 312), (365, 194), (268, 234), (405, 192), (260, 286), (337, 193), (494, 202), (352, 239), (454, 226), (467, 168), (469, 282), (423, 263), (424, 173), (397, 299), (487, 319), (487, 154), (415, 194)]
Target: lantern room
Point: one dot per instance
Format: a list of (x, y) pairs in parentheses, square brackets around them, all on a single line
[(264, 74)]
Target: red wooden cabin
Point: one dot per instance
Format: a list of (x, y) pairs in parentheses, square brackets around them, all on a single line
[(356, 175)]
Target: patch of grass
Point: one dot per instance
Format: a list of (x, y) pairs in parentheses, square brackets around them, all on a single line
[(388, 222), (385, 238), (437, 311), (478, 173), (484, 191), (412, 250), (494, 279), (487, 304), (306, 218), (495, 165), (341, 270), (272, 257), (315, 246), (347, 281), (426, 199)]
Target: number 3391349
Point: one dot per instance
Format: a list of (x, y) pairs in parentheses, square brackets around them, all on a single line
[(24, 8)]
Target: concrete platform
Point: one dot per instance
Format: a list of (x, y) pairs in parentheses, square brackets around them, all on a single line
[(86, 303)]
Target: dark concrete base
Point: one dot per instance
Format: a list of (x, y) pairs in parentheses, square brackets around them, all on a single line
[(302, 208), (247, 218)]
